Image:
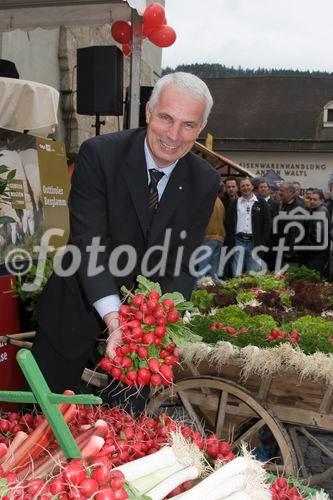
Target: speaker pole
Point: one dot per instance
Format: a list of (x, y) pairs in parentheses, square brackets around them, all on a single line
[(135, 70), (98, 124)]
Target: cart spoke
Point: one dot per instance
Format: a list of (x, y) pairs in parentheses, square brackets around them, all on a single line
[(190, 410), (220, 414), (251, 431)]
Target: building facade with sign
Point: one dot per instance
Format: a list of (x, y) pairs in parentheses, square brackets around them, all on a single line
[(275, 123)]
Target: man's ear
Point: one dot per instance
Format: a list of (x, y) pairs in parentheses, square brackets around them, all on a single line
[(148, 113)]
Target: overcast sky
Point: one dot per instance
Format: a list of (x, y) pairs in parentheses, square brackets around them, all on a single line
[(296, 34)]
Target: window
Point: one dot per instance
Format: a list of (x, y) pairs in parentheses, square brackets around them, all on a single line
[(328, 115)]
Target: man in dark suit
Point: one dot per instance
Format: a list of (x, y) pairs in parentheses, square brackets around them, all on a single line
[(118, 228), (248, 226), (265, 192)]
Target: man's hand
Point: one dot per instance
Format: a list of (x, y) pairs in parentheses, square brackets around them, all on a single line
[(115, 333)]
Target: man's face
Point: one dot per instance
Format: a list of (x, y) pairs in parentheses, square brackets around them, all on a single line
[(246, 188), (173, 125), (231, 188), (297, 188), (285, 194), (314, 200), (264, 189)]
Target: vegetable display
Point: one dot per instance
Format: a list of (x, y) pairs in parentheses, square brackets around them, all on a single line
[(126, 458)]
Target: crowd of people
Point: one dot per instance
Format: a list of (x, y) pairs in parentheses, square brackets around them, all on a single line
[(256, 227)]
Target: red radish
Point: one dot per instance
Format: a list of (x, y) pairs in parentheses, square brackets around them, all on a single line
[(166, 373), (125, 310), (160, 314), (154, 365), (106, 494), (149, 320), (75, 472), (116, 372), (168, 304), (154, 295), (173, 316), (58, 485), (126, 363), (116, 483), (106, 364), (152, 304), (138, 315), (131, 375), (3, 451), (88, 487), (142, 352), (4, 426), (144, 376), (137, 300), (101, 474), (148, 338), (159, 331)]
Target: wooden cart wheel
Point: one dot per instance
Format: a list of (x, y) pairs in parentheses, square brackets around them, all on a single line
[(217, 405), (296, 432)]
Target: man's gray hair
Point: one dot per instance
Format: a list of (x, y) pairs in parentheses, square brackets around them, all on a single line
[(289, 186), (185, 82)]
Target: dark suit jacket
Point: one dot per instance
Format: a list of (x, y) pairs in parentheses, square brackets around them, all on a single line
[(261, 223), (274, 207), (109, 200)]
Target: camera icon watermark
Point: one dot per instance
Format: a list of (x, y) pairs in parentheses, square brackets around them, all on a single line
[(297, 221)]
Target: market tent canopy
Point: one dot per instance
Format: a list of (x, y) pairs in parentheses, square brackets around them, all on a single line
[(30, 14)]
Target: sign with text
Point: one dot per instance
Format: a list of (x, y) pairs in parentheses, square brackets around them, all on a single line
[(33, 171), (310, 169)]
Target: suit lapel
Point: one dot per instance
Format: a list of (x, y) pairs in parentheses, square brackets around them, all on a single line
[(135, 173), (175, 191)]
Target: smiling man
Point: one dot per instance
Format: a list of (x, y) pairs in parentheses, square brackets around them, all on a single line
[(134, 193), (248, 226)]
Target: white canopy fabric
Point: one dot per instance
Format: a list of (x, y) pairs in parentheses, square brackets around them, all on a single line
[(31, 14), (26, 105)]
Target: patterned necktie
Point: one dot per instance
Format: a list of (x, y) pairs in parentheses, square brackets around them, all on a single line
[(155, 177)]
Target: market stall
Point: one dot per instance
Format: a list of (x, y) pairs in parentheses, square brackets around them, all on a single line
[(264, 373)]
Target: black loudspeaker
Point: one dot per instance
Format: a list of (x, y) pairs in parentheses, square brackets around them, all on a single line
[(8, 69), (145, 93), (100, 80)]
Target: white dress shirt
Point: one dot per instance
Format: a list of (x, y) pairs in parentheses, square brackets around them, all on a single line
[(244, 219), (111, 303)]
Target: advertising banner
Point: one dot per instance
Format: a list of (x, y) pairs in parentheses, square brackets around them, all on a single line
[(34, 188)]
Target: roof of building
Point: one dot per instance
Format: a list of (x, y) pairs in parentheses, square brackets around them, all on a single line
[(223, 165), (270, 113)]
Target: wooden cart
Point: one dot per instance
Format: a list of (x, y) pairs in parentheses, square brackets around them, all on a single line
[(273, 412)]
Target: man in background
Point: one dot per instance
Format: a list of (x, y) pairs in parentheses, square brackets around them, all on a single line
[(248, 225), (317, 233), (290, 229), (231, 191), (265, 191)]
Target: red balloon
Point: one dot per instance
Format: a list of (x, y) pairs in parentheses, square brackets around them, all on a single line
[(126, 49), (153, 15), (164, 36), (146, 31), (121, 32)]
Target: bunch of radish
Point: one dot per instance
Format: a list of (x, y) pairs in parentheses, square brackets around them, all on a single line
[(282, 491), (147, 354), (76, 480)]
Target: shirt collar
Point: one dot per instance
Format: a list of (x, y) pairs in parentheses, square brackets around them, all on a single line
[(151, 164), (253, 198)]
